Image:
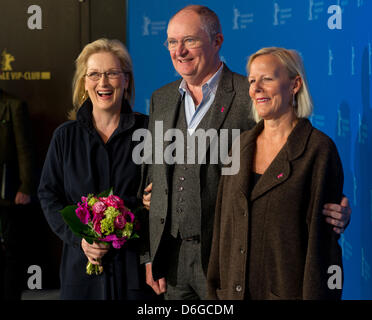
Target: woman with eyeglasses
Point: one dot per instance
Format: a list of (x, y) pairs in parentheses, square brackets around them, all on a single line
[(90, 154)]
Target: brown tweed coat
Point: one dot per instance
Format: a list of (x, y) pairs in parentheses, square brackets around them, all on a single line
[(274, 243)]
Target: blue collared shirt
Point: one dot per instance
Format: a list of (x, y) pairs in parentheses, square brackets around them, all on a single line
[(194, 114)]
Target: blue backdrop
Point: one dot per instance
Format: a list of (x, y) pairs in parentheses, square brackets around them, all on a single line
[(334, 39)]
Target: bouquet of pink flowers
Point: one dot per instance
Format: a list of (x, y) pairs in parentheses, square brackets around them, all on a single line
[(101, 218)]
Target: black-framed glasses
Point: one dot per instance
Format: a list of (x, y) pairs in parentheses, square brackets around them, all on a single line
[(112, 74), (188, 43)]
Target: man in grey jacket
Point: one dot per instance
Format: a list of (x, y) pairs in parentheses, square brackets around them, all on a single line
[(183, 194)]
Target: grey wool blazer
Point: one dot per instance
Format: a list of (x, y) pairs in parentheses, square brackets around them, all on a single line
[(230, 110)]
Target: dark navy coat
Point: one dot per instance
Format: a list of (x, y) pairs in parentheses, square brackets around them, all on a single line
[(78, 163)]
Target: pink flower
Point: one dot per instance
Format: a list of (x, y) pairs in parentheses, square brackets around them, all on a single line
[(83, 213), (117, 243), (97, 222), (120, 222), (129, 216), (114, 201), (99, 208)]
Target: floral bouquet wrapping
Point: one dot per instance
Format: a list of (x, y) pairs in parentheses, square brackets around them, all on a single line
[(101, 218)]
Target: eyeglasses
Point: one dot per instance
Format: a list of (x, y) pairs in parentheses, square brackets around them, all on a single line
[(188, 43), (95, 75)]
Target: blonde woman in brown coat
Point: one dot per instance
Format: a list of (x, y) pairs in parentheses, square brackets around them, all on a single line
[(270, 238)]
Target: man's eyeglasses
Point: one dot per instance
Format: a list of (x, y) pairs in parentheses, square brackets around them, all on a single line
[(188, 43), (95, 75)]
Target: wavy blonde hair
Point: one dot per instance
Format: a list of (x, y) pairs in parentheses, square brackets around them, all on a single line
[(295, 67), (113, 46)]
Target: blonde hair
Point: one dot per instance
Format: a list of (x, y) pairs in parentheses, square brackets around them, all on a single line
[(113, 46), (294, 65)]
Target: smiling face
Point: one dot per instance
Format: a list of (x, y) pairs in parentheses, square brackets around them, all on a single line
[(195, 65), (271, 89), (105, 94)]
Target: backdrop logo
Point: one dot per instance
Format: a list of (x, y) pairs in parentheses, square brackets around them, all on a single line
[(362, 130), (343, 125), (355, 189), (281, 15), (318, 120), (6, 60), (330, 62), (347, 248), (352, 60), (146, 25), (147, 104), (315, 9), (369, 57), (240, 20), (152, 28), (7, 73), (370, 208), (366, 269)]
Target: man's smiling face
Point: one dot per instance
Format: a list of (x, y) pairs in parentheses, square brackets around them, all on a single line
[(195, 65)]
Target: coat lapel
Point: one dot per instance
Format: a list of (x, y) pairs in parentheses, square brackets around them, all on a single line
[(247, 151), (275, 174), (221, 105), (280, 169), (169, 112), (223, 100)]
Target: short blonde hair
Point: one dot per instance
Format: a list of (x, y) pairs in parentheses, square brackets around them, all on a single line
[(113, 46), (294, 65)]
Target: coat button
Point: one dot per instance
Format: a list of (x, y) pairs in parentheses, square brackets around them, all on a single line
[(162, 220), (238, 288), (245, 213), (180, 188), (182, 178), (242, 250)]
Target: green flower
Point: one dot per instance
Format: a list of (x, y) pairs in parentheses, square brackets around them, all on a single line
[(107, 224), (92, 200), (128, 229), (126, 232)]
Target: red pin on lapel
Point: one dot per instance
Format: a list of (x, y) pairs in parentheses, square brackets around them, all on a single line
[(280, 175), (222, 109)]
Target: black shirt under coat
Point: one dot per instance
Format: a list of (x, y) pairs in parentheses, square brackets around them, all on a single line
[(78, 163)]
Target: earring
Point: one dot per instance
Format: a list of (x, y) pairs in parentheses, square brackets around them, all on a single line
[(85, 96), (294, 102)]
